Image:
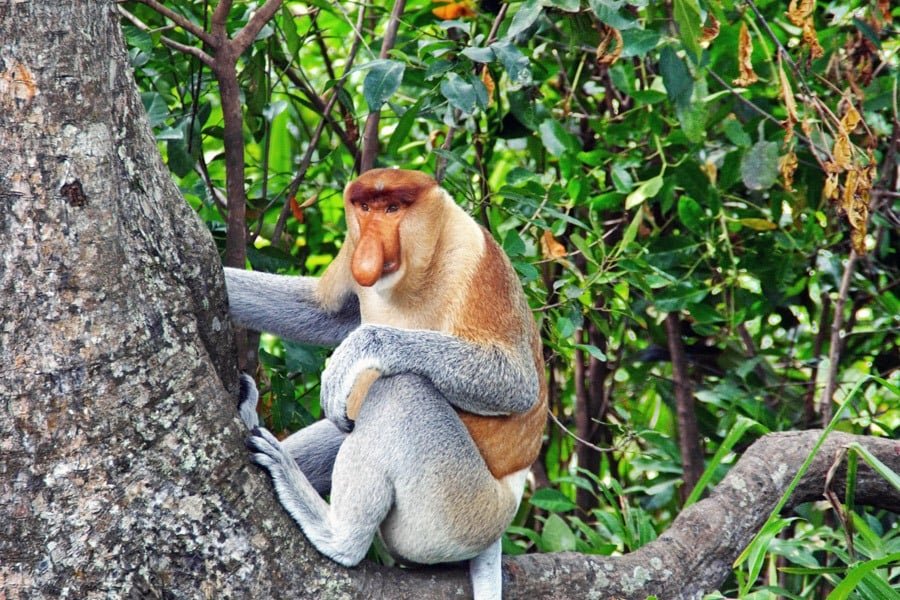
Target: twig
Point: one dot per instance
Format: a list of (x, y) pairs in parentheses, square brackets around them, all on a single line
[(370, 133), (243, 38), (181, 21), (688, 432), (191, 50), (440, 166), (834, 351)]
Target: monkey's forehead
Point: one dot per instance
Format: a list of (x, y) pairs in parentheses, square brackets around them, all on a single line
[(397, 184)]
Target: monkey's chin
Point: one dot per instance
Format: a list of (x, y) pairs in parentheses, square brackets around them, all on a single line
[(387, 282)]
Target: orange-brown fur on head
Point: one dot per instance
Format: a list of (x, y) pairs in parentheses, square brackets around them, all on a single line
[(417, 261)]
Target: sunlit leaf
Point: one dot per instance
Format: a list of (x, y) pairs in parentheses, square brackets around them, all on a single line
[(459, 92), (528, 13), (557, 536), (647, 189), (687, 15), (759, 166), (382, 81), (758, 224)]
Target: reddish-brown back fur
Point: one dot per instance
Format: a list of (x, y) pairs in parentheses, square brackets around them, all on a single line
[(496, 312)]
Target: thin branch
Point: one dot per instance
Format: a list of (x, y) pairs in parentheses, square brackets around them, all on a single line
[(181, 21), (191, 50), (440, 167), (688, 432), (370, 133), (219, 18), (834, 352), (243, 38)]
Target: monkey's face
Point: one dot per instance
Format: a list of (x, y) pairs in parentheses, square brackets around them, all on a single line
[(381, 205)]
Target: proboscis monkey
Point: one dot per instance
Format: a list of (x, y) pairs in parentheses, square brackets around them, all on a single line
[(438, 374)]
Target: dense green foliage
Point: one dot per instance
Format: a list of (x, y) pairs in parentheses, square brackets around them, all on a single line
[(629, 165)]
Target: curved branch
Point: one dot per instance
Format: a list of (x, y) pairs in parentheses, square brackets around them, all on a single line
[(693, 556)]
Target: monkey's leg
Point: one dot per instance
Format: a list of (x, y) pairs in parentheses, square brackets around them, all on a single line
[(314, 448), (342, 532), (485, 573)]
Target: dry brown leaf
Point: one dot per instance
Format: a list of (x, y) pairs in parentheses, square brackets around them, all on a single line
[(603, 56), (842, 152), (798, 10), (710, 32), (850, 119), (711, 171), (551, 248), (745, 63), (830, 190), (488, 82), (789, 103), (809, 39), (787, 165), (885, 7)]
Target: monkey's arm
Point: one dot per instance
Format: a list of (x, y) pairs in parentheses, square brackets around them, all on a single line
[(485, 379), (288, 307)]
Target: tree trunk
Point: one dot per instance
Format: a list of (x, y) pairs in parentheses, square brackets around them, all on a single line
[(122, 468)]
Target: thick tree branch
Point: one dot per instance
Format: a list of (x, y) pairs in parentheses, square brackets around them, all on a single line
[(692, 557)]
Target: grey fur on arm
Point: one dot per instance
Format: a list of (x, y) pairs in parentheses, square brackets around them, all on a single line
[(481, 379), (287, 306)]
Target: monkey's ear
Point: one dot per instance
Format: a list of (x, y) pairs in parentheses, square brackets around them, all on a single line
[(337, 282)]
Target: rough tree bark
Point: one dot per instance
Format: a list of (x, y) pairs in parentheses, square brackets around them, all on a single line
[(122, 468)]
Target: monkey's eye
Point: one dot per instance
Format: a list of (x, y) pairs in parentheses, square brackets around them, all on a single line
[(392, 208), (364, 207)]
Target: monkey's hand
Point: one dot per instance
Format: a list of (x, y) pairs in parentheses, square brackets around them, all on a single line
[(248, 397), (351, 370)]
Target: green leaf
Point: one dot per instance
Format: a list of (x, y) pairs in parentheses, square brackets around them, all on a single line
[(693, 120), (514, 62), (156, 108), (481, 55), (741, 426), (735, 133), (857, 573), (691, 214), (557, 537), (608, 12), (759, 166), (528, 13), (291, 39), (687, 15), (879, 467), (381, 81), (459, 92), (647, 189), (564, 5), (552, 500), (404, 125), (594, 351), (676, 78), (556, 139), (679, 296), (638, 42), (758, 224)]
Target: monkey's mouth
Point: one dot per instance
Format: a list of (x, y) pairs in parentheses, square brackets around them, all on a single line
[(390, 267)]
